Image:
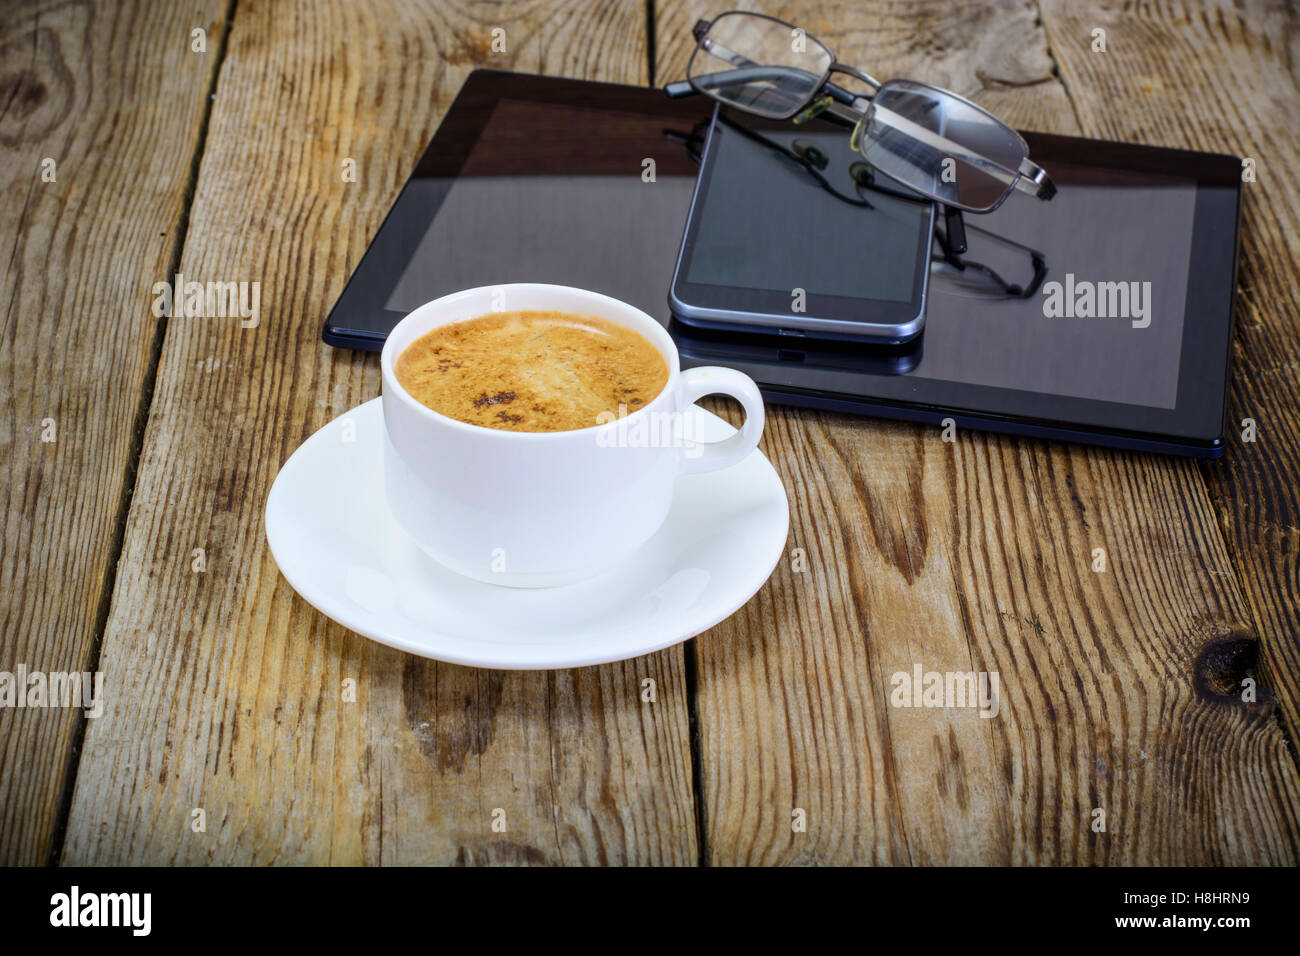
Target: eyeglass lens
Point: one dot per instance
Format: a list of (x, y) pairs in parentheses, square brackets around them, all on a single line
[(941, 145), (765, 66)]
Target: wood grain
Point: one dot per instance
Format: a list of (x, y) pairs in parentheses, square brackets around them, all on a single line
[(79, 86), (1152, 52), (230, 697), (1118, 689)]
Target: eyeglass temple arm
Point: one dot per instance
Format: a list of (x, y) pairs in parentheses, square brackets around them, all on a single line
[(954, 229)]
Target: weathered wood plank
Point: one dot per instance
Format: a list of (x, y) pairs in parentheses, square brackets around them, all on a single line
[(79, 86), (976, 556), (1157, 61), (234, 682)]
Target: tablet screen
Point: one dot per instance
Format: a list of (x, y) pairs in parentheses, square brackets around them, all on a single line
[(1107, 322), (548, 226), (524, 188)]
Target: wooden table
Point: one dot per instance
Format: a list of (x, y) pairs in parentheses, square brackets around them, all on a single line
[(226, 692)]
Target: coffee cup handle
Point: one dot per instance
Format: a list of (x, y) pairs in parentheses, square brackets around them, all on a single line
[(714, 380)]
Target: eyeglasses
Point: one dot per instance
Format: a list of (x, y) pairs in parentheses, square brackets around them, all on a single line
[(928, 139)]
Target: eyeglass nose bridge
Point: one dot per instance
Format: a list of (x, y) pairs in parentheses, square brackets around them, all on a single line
[(838, 67)]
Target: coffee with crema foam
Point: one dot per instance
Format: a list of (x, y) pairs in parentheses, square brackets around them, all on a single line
[(532, 371)]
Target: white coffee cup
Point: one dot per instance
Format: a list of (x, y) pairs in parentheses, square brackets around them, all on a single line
[(538, 509)]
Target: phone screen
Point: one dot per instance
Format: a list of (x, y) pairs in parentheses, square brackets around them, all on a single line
[(788, 208), (792, 229)]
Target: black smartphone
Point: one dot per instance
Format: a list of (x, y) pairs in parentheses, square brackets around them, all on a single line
[(791, 230)]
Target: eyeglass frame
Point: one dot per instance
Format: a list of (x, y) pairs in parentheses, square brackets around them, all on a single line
[(1030, 177)]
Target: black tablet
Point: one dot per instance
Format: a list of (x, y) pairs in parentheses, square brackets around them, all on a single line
[(1125, 339)]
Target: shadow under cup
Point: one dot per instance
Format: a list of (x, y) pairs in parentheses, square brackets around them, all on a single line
[(540, 509)]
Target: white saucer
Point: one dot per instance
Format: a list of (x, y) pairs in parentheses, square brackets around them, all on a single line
[(331, 533)]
